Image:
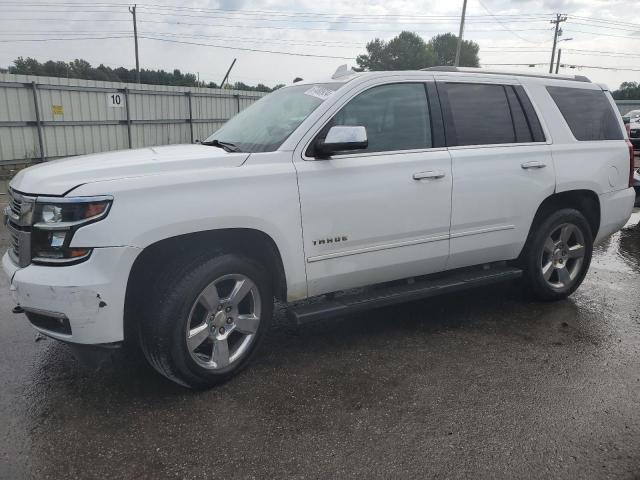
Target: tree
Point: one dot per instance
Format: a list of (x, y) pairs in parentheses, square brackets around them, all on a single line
[(408, 51), (82, 69), (627, 91), (445, 45)]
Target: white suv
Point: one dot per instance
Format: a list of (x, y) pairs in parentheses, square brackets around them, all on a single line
[(375, 180)]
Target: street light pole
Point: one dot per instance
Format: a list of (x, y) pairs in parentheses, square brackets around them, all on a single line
[(560, 52)]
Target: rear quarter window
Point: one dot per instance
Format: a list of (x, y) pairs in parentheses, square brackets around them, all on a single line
[(587, 112)]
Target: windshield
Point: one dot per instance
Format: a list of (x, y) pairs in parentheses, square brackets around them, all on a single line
[(263, 126)]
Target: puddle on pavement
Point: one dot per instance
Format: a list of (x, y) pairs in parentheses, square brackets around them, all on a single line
[(621, 252)]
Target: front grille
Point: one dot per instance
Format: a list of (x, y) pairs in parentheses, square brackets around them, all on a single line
[(15, 203), (18, 220), (14, 249), (634, 134)]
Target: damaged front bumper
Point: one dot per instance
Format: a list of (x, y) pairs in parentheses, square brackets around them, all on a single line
[(81, 303)]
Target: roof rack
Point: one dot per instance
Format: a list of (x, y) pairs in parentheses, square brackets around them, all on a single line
[(445, 68)]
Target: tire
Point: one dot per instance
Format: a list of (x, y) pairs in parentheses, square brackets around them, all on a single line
[(558, 254), (195, 331)]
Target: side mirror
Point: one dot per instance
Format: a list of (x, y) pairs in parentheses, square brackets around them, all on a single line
[(341, 138)]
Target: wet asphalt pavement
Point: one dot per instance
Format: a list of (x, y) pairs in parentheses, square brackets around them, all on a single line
[(484, 384)]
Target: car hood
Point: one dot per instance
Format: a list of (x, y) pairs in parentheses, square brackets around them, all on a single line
[(57, 177)]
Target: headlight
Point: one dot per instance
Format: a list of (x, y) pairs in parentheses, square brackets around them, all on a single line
[(55, 220)]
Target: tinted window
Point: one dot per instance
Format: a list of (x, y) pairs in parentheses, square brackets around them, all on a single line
[(396, 117), (587, 112), (520, 125), (480, 114), (530, 113)]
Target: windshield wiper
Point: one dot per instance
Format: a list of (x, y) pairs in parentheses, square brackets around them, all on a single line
[(227, 146)]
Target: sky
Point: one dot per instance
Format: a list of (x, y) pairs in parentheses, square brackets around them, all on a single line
[(311, 38)]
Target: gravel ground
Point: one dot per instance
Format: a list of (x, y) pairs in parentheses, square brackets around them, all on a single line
[(484, 384)]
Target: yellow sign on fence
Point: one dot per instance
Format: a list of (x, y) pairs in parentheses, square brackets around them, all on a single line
[(57, 110)]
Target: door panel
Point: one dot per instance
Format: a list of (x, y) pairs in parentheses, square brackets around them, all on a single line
[(383, 213), (367, 220), (495, 200), (502, 169)]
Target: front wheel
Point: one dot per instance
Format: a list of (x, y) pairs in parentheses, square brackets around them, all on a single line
[(205, 319), (558, 255)]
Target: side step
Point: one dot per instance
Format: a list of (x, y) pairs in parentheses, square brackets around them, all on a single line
[(375, 298)]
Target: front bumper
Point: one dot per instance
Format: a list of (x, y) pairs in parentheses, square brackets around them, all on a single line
[(90, 295)]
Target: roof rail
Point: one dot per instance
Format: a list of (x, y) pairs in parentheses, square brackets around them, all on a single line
[(446, 68)]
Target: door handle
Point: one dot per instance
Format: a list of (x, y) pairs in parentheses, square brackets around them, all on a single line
[(533, 165), (430, 174)]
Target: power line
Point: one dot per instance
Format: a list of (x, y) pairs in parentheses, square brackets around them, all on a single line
[(61, 39), (603, 52), (286, 41), (598, 34), (381, 20), (268, 27), (544, 64), (246, 49), (503, 25), (604, 20), (156, 7), (620, 28), (227, 47)]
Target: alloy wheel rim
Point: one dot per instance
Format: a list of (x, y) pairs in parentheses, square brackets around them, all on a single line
[(563, 256), (223, 321)]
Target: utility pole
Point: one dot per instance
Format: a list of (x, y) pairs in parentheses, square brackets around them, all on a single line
[(228, 72), (558, 62), (464, 11), (558, 31), (132, 11)]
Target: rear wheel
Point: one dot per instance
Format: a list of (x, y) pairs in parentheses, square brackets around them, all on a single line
[(558, 255), (206, 319)]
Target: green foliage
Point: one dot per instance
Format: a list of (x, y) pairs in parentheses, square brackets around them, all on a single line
[(408, 51), (627, 91), (445, 45), (83, 69)]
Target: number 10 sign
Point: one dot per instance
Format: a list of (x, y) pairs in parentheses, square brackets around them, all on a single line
[(115, 100)]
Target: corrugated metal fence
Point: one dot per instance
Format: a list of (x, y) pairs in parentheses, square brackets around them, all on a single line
[(44, 117), (627, 105)]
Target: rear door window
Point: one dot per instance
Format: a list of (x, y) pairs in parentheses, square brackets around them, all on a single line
[(480, 114), (486, 114), (587, 112)]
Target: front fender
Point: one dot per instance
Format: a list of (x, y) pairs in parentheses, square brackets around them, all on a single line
[(147, 210)]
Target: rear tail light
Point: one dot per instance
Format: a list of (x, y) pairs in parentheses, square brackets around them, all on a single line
[(631, 162)]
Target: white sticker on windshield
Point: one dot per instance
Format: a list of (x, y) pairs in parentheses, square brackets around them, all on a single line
[(319, 92)]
